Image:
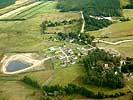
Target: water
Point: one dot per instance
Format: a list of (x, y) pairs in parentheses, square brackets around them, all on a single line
[(17, 65)]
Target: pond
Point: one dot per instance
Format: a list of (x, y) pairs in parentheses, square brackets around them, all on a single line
[(16, 65)]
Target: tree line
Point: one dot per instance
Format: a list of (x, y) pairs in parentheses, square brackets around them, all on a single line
[(45, 24), (95, 24), (95, 7), (80, 38), (76, 89), (129, 6), (69, 89)]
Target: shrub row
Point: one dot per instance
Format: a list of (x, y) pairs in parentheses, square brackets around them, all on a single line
[(12, 19), (30, 82), (59, 23), (69, 90), (75, 89)]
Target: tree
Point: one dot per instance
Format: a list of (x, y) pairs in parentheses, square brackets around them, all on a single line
[(61, 36), (43, 27)]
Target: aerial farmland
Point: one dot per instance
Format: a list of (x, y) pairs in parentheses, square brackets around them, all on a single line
[(66, 50)]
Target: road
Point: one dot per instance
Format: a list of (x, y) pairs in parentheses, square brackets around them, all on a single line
[(68, 60), (112, 43), (83, 25)]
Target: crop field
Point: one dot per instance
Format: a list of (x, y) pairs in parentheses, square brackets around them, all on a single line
[(13, 7), (41, 8), (26, 36)]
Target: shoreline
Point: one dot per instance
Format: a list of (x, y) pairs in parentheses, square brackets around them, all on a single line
[(22, 57)]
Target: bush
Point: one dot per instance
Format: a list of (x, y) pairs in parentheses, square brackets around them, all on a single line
[(123, 19), (43, 27)]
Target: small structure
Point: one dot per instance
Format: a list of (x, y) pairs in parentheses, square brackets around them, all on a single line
[(106, 66), (122, 62), (52, 49)]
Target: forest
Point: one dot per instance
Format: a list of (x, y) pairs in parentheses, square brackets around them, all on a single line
[(106, 8), (102, 69), (93, 8)]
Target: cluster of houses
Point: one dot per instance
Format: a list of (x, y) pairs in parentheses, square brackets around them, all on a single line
[(68, 55)]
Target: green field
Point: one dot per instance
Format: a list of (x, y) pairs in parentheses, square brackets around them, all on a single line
[(128, 13), (26, 36)]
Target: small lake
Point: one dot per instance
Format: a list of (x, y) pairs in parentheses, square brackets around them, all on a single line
[(17, 65)]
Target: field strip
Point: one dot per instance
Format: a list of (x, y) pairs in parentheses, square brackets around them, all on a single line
[(19, 10), (14, 6), (112, 43), (30, 12)]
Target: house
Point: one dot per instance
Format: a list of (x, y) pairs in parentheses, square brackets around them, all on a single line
[(52, 49)]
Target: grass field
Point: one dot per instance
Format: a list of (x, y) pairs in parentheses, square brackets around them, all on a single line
[(117, 32), (128, 13), (15, 90), (119, 29), (125, 49), (66, 75), (26, 36)]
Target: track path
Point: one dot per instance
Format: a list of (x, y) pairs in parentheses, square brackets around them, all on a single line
[(83, 25), (112, 43)]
